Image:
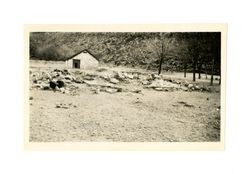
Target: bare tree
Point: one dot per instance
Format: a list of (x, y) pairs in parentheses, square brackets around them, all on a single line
[(163, 48)]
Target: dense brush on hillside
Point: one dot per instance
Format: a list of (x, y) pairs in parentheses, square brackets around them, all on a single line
[(176, 51)]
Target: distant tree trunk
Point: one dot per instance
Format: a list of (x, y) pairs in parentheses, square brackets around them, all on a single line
[(161, 61), (194, 67), (199, 69), (185, 69), (206, 70), (212, 73)]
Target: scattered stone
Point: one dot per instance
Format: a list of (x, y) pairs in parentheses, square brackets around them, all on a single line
[(177, 82), (54, 74), (60, 83), (149, 77), (184, 88), (57, 89), (185, 83), (136, 90), (47, 76), (34, 81), (62, 90), (57, 70), (154, 76), (69, 77), (190, 86), (66, 72), (145, 82), (101, 69), (120, 76), (197, 87), (37, 86), (66, 91), (135, 76), (78, 80), (52, 84), (159, 89), (64, 106), (68, 81), (110, 90), (218, 108), (46, 88), (113, 80), (185, 104), (119, 90), (157, 84), (129, 76), (163, 84), (88, 77), (208, 89), (96, 91)]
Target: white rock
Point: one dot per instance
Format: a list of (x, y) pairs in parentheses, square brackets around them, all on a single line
[(129, 76), (184, 88), (197, 87), (159, 89), (110, 90), (113, 80)]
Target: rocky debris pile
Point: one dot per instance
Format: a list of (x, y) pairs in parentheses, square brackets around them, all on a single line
[(195, 87), (107, 81), (56, 80), (98, 86), (162, 83), (125, 76)]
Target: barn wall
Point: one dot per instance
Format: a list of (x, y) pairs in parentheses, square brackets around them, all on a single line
[(87, 61), (69, 63)]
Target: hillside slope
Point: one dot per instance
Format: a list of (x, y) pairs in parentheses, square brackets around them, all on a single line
[(130, 49)]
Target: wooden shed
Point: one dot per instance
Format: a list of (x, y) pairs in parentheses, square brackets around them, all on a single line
[(82, 60)]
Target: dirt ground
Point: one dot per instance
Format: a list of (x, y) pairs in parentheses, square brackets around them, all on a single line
[(150, 116)]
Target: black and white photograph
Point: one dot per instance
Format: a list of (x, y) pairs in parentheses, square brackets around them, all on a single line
[(125, 86)]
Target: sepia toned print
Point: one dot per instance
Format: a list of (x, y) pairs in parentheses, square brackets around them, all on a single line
[(126, 86)]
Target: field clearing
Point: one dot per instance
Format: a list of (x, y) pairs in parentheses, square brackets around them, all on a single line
[(150, 116)]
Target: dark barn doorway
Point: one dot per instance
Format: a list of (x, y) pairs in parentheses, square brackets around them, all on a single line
[(76, 63)]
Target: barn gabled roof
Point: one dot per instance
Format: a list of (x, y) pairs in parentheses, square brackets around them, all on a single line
[(83, 51)]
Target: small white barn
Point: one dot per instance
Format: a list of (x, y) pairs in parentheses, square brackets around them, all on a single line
[(84, 60)]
